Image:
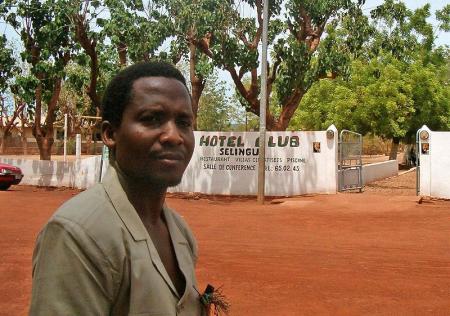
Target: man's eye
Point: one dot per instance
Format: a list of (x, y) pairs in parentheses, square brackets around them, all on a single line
[(185, 123), (151, 119)]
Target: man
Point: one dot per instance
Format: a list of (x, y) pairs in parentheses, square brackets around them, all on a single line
[(117, 249)]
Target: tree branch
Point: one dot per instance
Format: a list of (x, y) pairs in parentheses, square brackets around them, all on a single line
[(259, 10), (247, 95), (89, 47)]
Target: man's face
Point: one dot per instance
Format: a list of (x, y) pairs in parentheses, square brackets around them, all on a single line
[(155, 140)]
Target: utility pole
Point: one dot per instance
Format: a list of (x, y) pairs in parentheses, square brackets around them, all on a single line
[(263, 107)]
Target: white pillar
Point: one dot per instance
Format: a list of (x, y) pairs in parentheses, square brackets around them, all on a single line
[(78, 146), (65, 137)]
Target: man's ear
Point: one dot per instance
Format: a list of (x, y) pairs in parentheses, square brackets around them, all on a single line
[(108, 135)]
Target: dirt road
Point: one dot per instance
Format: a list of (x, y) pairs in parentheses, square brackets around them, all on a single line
[(375, 253)]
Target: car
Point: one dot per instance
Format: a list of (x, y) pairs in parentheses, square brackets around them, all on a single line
[(9, 175)]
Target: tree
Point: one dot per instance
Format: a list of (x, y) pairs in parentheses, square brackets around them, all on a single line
[(385, 97), (192, 23), (75, 102), (430, 93), (395, 84), (137, 29), (327, 102), (8, 113), (82, 15), (298, 56), (217, 111), (44, 30), (8, 64), (404, 34)]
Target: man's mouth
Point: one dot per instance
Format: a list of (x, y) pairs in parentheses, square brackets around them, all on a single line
[(170, 156)]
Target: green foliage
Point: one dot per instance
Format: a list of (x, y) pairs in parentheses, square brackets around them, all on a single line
[(217, 112), (443, 16), (74, 98), (44, 27), (400, 31), (388, 107), (384, 97), (431, 97), (328, 102), (7, 64), (136, 28), (384, 69), (397, 82), (24, 87)]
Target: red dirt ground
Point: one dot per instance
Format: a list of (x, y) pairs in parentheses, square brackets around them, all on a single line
[(375, 253)]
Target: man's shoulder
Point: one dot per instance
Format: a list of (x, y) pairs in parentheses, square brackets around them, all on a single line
[(90, 212), (90, 215), (84, 206)]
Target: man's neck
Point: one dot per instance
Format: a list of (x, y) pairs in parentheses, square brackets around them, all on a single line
[(147, 199)]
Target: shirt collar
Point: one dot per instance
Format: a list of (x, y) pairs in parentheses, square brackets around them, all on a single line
[(113, 186)]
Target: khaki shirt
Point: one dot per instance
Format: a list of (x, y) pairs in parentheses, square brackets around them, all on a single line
[(95, 257)]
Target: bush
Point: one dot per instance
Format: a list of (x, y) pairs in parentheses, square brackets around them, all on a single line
[(375, 145)]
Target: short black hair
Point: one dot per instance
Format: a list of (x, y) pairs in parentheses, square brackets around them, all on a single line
[(119, 90)]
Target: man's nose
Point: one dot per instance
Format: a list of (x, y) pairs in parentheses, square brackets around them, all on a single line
[(171, 134)]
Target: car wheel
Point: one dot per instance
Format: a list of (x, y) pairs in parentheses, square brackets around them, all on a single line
[(4, 187)]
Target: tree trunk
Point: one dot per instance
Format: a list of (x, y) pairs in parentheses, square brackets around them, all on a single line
[(2, 144), (4, 141), (394, 148), (45, 147), (197, 89), (197, 82), (122, 51), (44, 134)]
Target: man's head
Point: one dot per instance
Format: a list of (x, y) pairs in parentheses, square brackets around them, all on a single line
[(147, 123), (119, 90)]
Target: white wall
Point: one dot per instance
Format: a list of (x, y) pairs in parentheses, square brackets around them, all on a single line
[(379, 170), (292, 166), (75, 174), (435, 166), (371, 172)]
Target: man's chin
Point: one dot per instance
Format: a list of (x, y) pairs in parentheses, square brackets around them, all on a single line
[(174, 183), (165, 182), (162, 180)]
